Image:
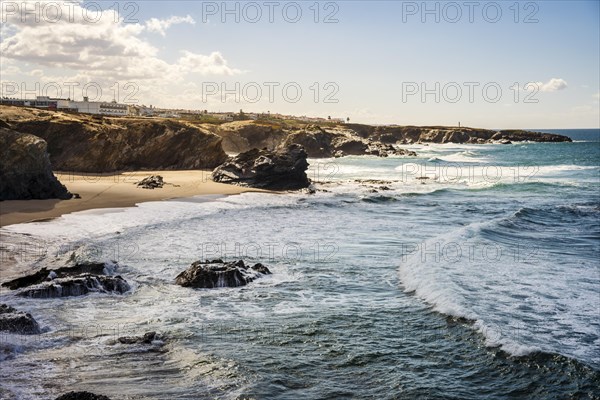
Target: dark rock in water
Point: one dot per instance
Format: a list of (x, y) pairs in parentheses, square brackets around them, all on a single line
[(81, 396), (146, 339), (25, 170), (151, 182), (384, 150), (15, 321), (518, 135), (76, 286), (45, 274), (218, 274), (277, 170)]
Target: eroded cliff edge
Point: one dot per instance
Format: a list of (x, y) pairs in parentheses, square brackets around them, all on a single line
[(84, 143), (25, 170)]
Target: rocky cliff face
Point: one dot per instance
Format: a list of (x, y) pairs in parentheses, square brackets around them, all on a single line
[(241, 136), (78, 142), (25, 171), (340, 141), (355, 139)]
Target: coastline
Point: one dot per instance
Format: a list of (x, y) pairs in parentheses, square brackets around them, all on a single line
[(112, 191)]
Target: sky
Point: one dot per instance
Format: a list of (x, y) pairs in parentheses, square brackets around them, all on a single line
[(503, 64)]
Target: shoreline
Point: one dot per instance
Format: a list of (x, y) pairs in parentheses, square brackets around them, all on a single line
[(114, 190)]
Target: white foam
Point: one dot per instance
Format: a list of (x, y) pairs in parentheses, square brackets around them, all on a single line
[(503, 290)]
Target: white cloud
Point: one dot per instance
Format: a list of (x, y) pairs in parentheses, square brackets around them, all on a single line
[(211, 64), (161, 25), (103, 49), (552, 85)]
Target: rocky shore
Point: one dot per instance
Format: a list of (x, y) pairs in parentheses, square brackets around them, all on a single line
[(34, 142)]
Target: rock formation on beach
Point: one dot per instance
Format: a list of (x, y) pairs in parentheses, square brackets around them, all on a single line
[(14, 321), (219, 274), (151, 182), (25, 171), (76, 280), (284, 169)]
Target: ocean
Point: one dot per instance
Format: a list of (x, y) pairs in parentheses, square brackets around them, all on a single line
[(468, 272)]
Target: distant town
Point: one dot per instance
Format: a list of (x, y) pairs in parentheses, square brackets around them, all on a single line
[(115, 109)]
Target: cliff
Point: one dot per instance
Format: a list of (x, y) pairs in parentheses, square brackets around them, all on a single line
[(78, 142), (334, 140), (25, 171)]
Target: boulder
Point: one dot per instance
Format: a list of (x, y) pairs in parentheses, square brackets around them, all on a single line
[(81, 396), (76, 286), (151, 182), (14, 321), (283, 169), (25, 170), (219, 274)]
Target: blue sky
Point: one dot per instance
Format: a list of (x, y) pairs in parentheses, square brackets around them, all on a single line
[(371, 58)]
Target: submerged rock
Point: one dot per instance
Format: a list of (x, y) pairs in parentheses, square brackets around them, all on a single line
[(218, 274), (14, 321), (277, 170), (76, 286), (147, 338), (82, 396)]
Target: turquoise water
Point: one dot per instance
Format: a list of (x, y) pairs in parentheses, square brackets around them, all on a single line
[(482, 281)]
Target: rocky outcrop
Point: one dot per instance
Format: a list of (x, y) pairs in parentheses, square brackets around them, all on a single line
[(507, 136), (76, 286), (340, 142), (384, 150), (316, 141), (283, 169), (79, 142), (82, 396), (151, 182), (147, 338), (219, 274), (45, 274), (14, 321), (25, 171), (76, 280), (440, 134)]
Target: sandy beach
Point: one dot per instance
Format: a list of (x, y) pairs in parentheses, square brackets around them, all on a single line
[(113, 190)]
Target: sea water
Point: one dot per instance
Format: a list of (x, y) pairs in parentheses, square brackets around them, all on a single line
[(468, 272)]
